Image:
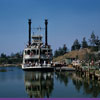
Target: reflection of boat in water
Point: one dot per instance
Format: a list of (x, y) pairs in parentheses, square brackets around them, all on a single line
[(36, 55), (39, 84)]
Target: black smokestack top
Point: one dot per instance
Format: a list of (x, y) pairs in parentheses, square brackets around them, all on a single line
[(46, 36), (29, 22)]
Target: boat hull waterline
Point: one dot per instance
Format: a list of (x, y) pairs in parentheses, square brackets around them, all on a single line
[(38, 68)]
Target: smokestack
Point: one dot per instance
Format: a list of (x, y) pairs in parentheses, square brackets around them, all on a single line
[(46, 37), (29, 22)]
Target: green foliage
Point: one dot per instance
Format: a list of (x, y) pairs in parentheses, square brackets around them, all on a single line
[(64, 49), (92, 39), (97, 42), (12, 59), (76, 45), (3, 55), (90, 57), (84, 43), (93, 47), (98, 56), (94, 42), (60, 51)]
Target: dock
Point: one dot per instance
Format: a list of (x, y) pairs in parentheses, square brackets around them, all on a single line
[(64, 68), (89, 71)]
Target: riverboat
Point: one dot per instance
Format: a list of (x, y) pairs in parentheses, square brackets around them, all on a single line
[(37, 56)]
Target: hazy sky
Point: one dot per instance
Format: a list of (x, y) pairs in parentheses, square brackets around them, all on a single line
[(67, 20)]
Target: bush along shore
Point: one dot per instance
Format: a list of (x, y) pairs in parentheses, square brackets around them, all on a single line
[(10, 65), (11, 60)]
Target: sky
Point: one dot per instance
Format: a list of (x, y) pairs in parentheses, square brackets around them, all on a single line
[(67, 20)]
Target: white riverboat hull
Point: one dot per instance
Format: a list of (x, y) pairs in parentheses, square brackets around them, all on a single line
[(38, 68)]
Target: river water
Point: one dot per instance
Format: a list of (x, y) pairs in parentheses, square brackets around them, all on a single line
[(16, 83)]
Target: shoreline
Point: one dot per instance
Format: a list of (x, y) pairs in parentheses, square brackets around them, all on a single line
[(10, 65)]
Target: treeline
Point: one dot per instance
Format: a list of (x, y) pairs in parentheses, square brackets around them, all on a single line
[(93, 43), (14, 58), (61, 51)]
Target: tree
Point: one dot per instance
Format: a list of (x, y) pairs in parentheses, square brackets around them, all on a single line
[(97, 42), (73, 47), (56, 53), (84, 43), (76, 45), (60, 51), (18, 54), (94, 42), (3, 55), (92, 39), (12, 55), (64, 48)]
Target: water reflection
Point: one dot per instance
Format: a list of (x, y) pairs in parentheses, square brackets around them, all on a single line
[(77, 81), (39, 84), (82, 84), (10, 73), (46, 84), (62, 77), (89, 86)]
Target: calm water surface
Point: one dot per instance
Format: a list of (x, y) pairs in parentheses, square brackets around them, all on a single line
[(16, 83)]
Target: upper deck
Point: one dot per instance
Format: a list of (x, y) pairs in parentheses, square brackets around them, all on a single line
[(36, 51), (37, 40)]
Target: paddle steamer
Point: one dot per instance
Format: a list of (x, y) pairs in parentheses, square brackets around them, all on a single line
[(36, 55)]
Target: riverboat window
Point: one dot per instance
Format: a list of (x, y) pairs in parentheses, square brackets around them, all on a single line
[(37, 39), (44, 51), (33, 52), (34, 44), (28, 52), (49, 51)]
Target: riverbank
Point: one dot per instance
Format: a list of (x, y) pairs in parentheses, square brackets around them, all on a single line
[(10, 65)]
